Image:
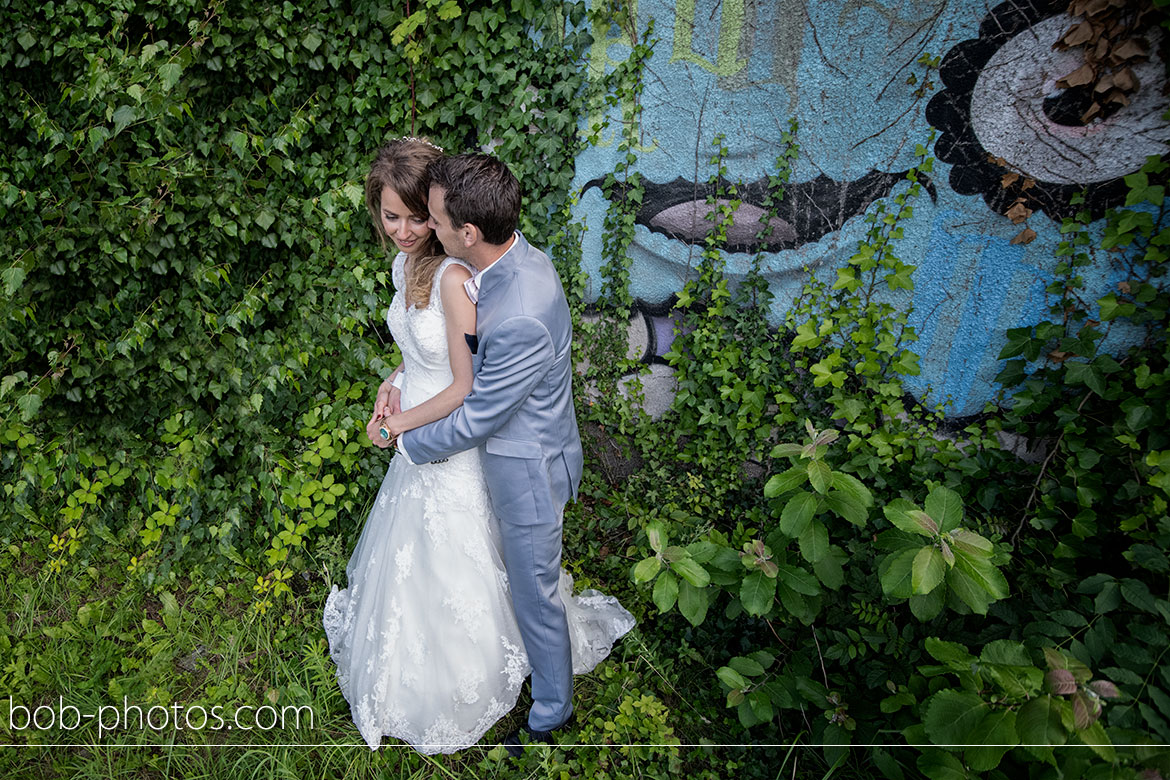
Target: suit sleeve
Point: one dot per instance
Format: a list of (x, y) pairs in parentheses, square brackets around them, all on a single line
[(517, 355)]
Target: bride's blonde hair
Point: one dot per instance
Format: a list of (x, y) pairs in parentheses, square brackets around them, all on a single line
[(401, 165)]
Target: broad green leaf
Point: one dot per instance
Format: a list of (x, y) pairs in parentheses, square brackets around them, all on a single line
[(798, 512), (819, 475), (927, 571), (997, 728), (646, 569), (1005, 651), (799, 580), (665, 591), (1038, 722), (779, 484), (785, 450), (967, 589), (761, 705), (952, 654), (927, 606), (748, 667), (951, 716), (692, 603), (982, 572), (940, 765), (814, 541), (971, 544), (945, 507), (1096, 738), (692, 572), (829, 568), (896, 571), (846, 507), (854, 487), (898, 513), (757, 593), (656, 535), (731, 678)]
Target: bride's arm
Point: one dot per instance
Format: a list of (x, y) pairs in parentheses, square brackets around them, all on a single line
[(459, 318)]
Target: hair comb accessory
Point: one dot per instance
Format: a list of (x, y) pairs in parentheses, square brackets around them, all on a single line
[(420, 141)]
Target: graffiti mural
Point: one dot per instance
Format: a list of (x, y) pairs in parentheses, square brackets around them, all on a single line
[(1008, 137)]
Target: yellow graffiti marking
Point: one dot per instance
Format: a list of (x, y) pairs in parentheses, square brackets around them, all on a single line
[(731, 25)]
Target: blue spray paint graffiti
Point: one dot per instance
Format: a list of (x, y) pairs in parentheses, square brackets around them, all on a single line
[(843, 69)]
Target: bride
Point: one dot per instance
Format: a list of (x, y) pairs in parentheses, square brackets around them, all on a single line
[(425, 638)]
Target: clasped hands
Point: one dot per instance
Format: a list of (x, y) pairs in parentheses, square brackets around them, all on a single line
[(386, 406)]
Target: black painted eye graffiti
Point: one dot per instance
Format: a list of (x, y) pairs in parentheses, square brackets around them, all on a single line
[(808, 211), (1002, 112)]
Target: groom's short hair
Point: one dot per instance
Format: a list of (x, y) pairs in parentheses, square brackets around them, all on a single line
[(478, 189)]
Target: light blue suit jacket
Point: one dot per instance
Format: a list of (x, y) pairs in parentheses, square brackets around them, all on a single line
[(520, 409)]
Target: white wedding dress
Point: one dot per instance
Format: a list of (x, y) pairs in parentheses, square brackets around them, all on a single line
[(424, 638)]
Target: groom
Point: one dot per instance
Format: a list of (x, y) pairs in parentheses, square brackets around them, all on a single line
[(519, 412)]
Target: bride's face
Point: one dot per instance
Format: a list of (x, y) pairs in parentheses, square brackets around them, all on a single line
[(408, 230)]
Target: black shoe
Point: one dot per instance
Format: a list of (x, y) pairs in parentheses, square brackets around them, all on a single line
[(515, 742)]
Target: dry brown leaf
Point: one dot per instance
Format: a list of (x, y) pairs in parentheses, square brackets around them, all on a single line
[(1082, 75), (1078, 34), (1098, 52), (1025, 236), (1008, 179), (1125, 79), (1091, 114), (1057, 356), (1091, 8), (1028, 184), (1132, 49), (1104, 85), (1018, 212), (1118, 97), (991, 158), (1123, 288)]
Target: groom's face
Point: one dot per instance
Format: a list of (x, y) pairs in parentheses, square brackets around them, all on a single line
[(440, 222)]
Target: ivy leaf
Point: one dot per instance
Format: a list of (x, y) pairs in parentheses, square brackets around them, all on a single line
[(169, 74), (945, 507), (123, 116), (757, 594), (927, 570), (29, 404), (951, 716), (448, 10), (665, 591), (797, 514)]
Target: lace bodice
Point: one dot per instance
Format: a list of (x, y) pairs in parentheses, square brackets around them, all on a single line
[(421, 334)]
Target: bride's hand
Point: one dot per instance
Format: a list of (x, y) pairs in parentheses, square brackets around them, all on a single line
[(375, 437)]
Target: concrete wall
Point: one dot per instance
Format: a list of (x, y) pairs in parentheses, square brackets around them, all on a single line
[(840, 67)]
